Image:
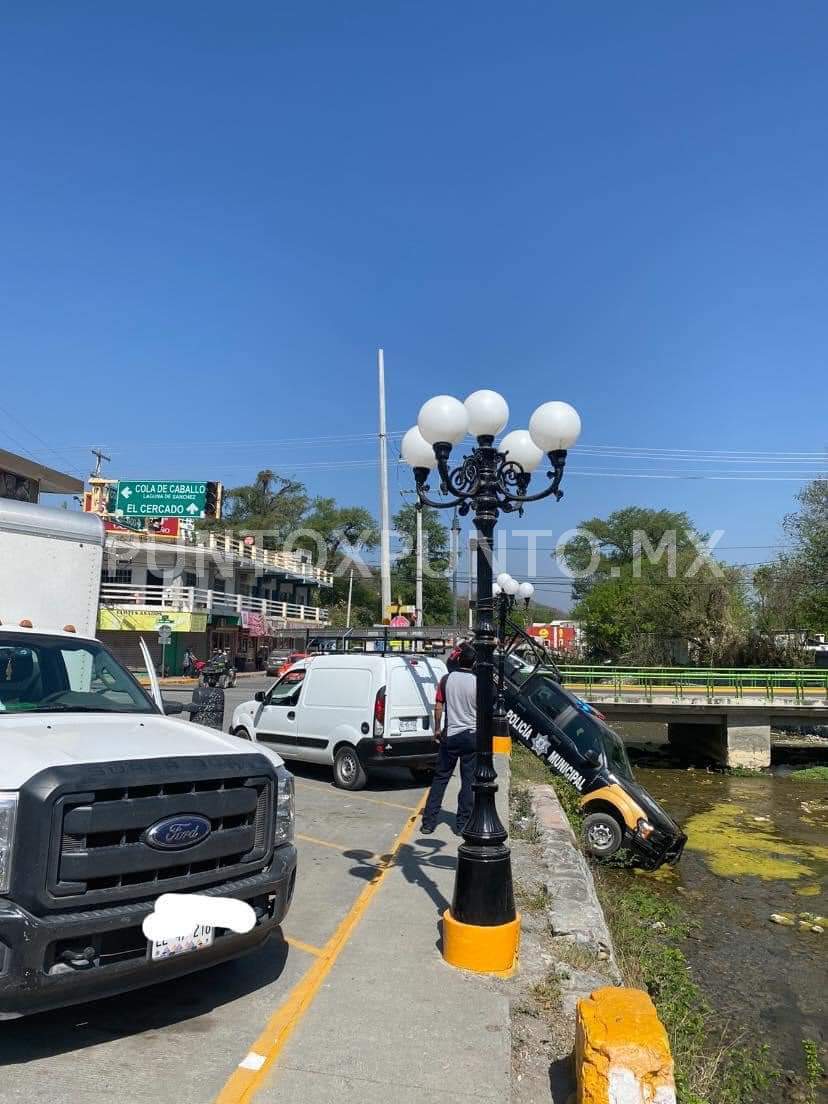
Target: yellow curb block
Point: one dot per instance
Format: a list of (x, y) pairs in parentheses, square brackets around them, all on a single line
[(486, 950), (621, 1050), (502, 745)]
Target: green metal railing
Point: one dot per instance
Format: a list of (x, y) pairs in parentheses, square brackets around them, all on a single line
[(804, 685)]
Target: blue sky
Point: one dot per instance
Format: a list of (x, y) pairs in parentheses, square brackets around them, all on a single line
[(213, 214)]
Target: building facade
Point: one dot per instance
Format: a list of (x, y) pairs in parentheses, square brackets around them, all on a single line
[(214, 591)]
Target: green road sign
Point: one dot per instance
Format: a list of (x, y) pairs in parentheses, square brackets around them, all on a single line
[(138, 498)]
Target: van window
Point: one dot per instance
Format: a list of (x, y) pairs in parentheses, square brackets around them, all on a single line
[(338, 688)]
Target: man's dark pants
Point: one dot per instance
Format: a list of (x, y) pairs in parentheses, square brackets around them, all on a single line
[(462, 746)]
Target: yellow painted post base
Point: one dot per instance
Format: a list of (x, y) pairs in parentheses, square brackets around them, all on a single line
[(502, 745), (486, 950), (621, 1049)]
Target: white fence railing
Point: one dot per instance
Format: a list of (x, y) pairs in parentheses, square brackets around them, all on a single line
[(184, 599), (224, 547)]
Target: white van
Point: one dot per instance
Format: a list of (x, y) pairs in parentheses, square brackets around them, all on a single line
[(355, 712)]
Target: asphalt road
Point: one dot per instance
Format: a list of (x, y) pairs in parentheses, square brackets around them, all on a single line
[(180, 1042), (243, 691)]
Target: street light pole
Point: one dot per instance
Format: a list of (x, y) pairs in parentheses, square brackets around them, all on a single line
[(418, 592), (481, 929), (455, 558), (504, 593)]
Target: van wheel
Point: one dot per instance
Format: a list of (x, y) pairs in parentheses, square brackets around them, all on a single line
[(242, 733), (602, 835), (349, 773)]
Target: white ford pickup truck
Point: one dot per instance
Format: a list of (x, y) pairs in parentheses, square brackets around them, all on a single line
[(105, 801)]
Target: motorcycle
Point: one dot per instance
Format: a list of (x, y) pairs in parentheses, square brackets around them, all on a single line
[(219, 672)]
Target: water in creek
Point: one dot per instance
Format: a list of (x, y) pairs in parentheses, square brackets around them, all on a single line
[(756, 846)]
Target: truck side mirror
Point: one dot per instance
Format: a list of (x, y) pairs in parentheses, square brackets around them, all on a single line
[(259, 696), (593, 758)]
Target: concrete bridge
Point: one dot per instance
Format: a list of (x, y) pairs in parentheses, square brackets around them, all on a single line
[(726, 714)]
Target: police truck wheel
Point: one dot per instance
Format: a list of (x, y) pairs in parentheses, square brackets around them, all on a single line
[(602, 835), (349, 773)]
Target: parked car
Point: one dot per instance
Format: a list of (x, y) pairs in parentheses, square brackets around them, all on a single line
[(354, 712), (289, 661), (274, 662)]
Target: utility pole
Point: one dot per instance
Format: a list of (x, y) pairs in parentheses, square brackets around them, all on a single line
[(455, 557), (385, 524), (99, 456), (418, 599), (350, 595)]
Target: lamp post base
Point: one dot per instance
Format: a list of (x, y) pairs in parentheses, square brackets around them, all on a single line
[(483, 949)]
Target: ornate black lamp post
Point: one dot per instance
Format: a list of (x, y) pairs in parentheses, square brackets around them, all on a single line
[(489, 480)]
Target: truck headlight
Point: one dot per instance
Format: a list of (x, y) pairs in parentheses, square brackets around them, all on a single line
[(645, 829), (8, 815), (285, 809)]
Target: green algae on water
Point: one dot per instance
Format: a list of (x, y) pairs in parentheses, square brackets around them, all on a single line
[(734, 844)]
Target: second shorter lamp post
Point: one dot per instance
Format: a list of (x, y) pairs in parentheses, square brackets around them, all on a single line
[(505, 593), (481, 929)]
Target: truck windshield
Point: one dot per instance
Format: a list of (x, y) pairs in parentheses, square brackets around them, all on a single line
[(48, 674), (617, 758)]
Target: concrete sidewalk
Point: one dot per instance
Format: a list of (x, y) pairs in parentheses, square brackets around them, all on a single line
[(391, 1021)]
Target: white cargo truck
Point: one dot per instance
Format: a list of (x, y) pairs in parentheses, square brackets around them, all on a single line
[(105, 801)]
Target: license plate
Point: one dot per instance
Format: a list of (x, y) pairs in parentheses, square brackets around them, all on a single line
[(408, 724), (196, 939)]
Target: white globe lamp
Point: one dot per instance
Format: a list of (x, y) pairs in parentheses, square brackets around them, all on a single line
[(525, 591), (511, 587), (555, 425), (495, 590), (488, 413), (521, 449), (443, 419), (416, 451)]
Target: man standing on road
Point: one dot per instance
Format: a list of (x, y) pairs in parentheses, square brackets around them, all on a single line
[(457, 697)]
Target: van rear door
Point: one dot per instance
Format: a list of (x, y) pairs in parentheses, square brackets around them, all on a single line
[(337, 704), (409, 706)]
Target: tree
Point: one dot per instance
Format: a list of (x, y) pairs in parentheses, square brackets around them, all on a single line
[(792, 592), (338, 525), (365, 601), (436, 587), (617, 538), (270, 505), (649, 600)]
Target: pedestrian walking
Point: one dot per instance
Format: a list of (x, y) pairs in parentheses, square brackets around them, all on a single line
[(189, 664), (457, 703)]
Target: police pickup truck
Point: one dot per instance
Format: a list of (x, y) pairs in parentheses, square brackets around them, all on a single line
[(574, 741)]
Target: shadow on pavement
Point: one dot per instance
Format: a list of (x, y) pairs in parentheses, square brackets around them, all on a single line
[(413, 862), (180, 1002)]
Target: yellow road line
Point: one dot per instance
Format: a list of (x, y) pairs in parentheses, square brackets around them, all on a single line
[(300, 945), (249, 1075), (322, 843), (364, 797)]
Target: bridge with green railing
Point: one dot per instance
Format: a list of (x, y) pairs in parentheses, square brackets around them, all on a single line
[(756, 685), (725, 712)]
